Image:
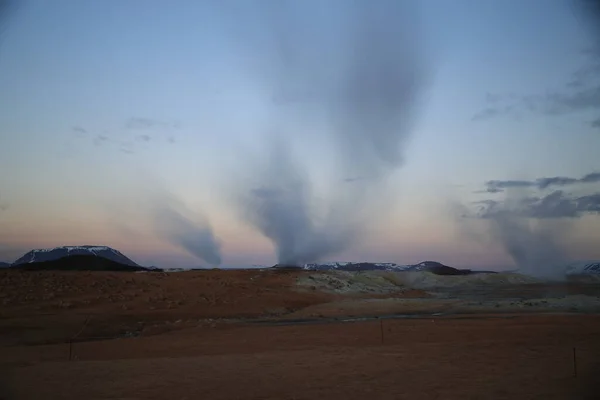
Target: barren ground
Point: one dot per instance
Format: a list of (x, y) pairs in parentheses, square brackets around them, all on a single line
[(277, 335)]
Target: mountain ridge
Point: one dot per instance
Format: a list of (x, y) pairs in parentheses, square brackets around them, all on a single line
[(55, 253), (430, 266), (78, 262)]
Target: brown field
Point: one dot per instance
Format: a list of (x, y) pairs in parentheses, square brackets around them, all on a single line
[(236, 335)]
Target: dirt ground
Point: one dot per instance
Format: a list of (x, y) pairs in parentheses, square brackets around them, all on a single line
[(50, 306), (240, 335)]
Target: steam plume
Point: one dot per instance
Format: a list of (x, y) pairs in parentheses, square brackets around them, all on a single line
[(359, 74), (532, 240), (181, 227), (534, 248)]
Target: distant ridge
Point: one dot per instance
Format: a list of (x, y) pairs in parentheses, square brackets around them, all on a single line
[(429, 266), (79, 262), (287, 267), (42, 255), (583, 267), (4, 265)]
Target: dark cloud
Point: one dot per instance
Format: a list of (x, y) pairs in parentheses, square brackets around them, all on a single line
[(493, 111), (357, 179), (149, 123), (100, 140), (543, 183), (124, 143), (143, 138), (565, 103), (496, 186), (557, 204), (488, 112), (590, 203), (592, 177), (581, 92), (126, 147), (79, 130), (138, 134), (490, 189)]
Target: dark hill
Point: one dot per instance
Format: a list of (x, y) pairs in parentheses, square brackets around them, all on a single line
[(283, 266), (41, 255), (438, 268), (79, 263)]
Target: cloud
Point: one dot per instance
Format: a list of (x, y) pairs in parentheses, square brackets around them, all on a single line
[(139, 132), (100, 140), (486, 113), (557, 204), (497, 186), (493, 111), (143, 138), (357, 179), (592, 177), (79, 130), (126, 147), (149, 123), (581, 92)]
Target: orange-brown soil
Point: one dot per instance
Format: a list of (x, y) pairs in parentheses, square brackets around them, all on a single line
[(196, 339), (50, 306)]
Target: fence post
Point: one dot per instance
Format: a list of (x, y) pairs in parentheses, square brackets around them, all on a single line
[(575, 362), (87, 319)]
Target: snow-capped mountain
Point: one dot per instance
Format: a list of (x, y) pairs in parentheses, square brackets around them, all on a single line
[(583, 268), (369, 266), (355, 266), (430, 266), (41, 255)]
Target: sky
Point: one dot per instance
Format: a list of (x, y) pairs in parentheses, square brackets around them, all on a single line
[(106, 106)]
